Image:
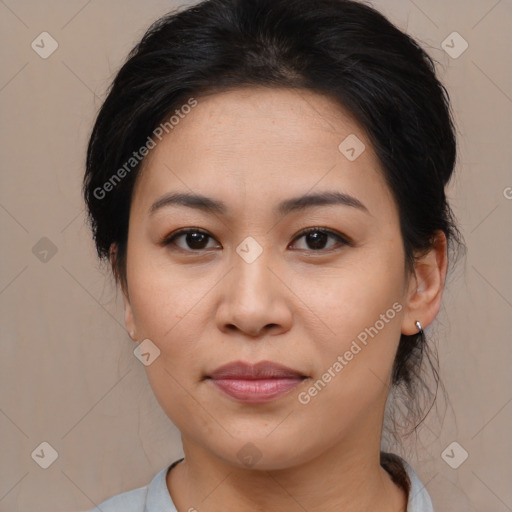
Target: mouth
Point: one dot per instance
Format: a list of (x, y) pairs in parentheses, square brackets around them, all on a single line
[(255, 383)]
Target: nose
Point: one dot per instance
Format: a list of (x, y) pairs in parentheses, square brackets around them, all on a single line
[(254, 299)]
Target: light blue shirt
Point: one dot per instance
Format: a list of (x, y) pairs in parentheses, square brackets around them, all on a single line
[(155, 497)]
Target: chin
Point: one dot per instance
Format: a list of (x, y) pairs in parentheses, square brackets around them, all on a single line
[(263, 453)]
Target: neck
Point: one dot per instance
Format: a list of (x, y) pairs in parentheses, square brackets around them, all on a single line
[(344, 478), (343, 475)]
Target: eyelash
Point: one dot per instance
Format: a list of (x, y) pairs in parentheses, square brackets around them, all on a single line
[(341, 239)]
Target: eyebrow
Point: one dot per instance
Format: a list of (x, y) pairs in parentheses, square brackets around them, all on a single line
[(215, 206)]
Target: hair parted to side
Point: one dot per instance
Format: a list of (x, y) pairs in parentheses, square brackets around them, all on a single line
[(339, 48)]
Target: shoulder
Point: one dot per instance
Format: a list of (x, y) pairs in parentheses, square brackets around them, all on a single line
[(419, 499), (129, 501), (153, 497), (405, 477)]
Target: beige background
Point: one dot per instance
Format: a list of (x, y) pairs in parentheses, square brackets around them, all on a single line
[(68, 375)]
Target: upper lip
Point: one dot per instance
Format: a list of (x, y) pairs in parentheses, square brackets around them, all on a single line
[(259, 370)]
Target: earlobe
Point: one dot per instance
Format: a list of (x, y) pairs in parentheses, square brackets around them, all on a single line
[(128, 318), (128, 313), (426, 287)]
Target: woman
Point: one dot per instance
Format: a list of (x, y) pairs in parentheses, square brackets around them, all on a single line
[(267, 179)]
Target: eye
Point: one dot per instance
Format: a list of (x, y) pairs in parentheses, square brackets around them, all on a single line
[(316, 238), (193, 238)]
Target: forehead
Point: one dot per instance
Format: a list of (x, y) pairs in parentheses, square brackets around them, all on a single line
[(261, 140), (272, 118)]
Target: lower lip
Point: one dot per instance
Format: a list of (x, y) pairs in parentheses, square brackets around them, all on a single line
[(256, 391)]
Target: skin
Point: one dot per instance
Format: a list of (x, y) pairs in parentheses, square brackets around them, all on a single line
[(296, 305)]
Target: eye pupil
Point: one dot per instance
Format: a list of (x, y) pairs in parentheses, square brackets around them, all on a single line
[(196, 240), (317, 239)]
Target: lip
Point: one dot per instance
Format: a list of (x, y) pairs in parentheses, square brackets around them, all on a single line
[(255, 383), (260, 370)]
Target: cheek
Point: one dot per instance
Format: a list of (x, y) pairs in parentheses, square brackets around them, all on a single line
[(162, 295), (353, 374), (163, 312), (361, 308), (168, 313), (354, 295)]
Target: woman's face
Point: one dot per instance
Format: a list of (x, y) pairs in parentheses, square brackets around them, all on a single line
[(250, 286)]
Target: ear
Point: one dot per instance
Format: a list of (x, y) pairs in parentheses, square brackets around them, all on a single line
[(128, 318), (426, 287), (128, 313)]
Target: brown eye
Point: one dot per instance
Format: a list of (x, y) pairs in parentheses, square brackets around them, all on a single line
[(190, 239), (316, 239)]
